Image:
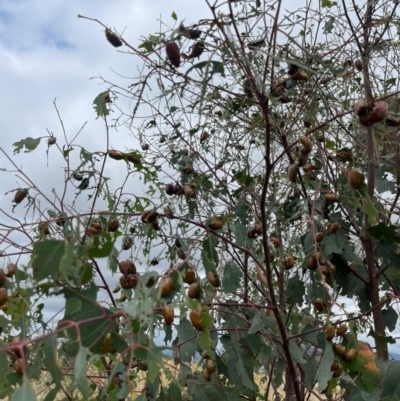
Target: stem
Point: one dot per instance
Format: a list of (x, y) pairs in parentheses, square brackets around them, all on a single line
[(291, 370), (373, 285)]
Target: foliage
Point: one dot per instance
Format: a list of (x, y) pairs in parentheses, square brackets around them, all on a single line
[(255, 228)]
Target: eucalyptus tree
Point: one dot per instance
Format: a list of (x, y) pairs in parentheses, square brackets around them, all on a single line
[(260, 238)]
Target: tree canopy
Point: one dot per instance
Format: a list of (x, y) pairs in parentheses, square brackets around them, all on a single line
[(253, 230)]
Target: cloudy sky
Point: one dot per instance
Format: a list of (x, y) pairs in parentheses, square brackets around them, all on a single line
[(46, 52)]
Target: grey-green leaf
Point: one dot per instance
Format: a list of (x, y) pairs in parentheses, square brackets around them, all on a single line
[(27, 145), (329, 25), (324, 373), (296, 352), (25, 392), (391, 383), (49, 361), (231, 278), (390, 318), (80, 372)]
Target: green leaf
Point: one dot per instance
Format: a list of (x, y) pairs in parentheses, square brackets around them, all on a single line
[(324, 373), (381, 340), (86, 156), (140, 307), (269, 323), (113, 260), (256, 324), (4, 322), (81, 305), (101, 249), (231, 318), (390, 317), (242, 211), (66, 151), (174, 392), (3, 365), (295, 290), (84, 184), (328, 3), (174, 16), (243, 373), (49, 361), (205, 341), (309, 372), (364, 300), (118, 342), (331, 145), (212, 392), (25, 392), (183, 244), (148, 46), (391, 383), (348, 283), (389, 83), (231, 278), (52, 394), (100, 104), (47, 258), (386, 232), (209, 253), (121, 391), (307, 243), (80, 370), (387, 250), (296, 352), (279, 368), (86, 273), (293, 207), (185, 332), (154, 361), (184, 373), (205, 317), (28, 144), (67, 259), (329, 25), (358, 394), (244, 177), (370, 211), (334, 243), (256, 344), (239, 362), (217, 67)]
